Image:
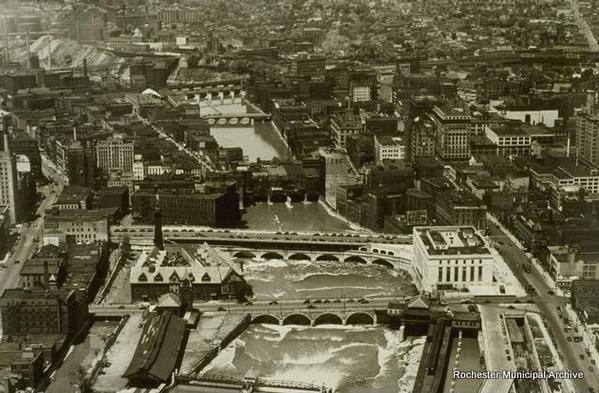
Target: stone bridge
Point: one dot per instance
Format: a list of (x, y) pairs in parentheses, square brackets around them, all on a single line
[(365, 255), (236, 118), (317, 317)]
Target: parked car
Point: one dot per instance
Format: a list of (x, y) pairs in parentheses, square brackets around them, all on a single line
[(311, 307), (273, 302), (221, 309), (307, 301)]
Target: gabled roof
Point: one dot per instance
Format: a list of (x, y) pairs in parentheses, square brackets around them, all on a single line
[(158, 348), (419, 302), (169, 300)]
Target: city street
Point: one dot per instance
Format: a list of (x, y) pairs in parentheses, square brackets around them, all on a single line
[(547, 305), (30, 239)]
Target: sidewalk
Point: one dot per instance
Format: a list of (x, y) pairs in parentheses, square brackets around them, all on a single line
[(584, 332), (534, 262)]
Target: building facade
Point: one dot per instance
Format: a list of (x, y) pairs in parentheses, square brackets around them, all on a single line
[(388, 148), (449, 257), (204, 271), (26, 311), (452, 139), (8, 172), (587, 137), (115, 154)]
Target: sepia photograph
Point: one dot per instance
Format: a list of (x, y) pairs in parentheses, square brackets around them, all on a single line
[(299, 196)]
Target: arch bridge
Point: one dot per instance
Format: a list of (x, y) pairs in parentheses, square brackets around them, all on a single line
[(390, 259), (236, 118), (317, 317)]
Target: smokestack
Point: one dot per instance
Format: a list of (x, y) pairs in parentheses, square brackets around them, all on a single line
[(158, 238), (74, 133), (568, 146), (28, 51), (85, 67), (6, 57), (46, 276), (50, 53)]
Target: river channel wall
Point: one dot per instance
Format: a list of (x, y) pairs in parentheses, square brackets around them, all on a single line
[(232, 335)]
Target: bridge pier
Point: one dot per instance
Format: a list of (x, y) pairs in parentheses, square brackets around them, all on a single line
[(221, 95)]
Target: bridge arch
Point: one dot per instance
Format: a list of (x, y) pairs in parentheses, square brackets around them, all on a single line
[(244, 255), (383, 262), (299, 256), (266, 318), (359, 318), (327, 257), (297, 319), (328, 319), (356, 259), (272, 255), (363, 248)]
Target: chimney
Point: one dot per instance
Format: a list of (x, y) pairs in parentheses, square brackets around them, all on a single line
[(6, 56), (46, 276), (158, 237), (85, 67)]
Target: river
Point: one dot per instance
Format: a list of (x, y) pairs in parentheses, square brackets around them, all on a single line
[(309, 217), (290, 279), (259, 142), (348, 359)]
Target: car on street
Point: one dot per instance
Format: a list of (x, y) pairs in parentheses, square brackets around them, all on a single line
[(273, 302), (581, 356), (311, 307), (307, 301), (569, 339)]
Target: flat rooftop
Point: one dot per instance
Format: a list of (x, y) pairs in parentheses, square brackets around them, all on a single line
[(452, 240)]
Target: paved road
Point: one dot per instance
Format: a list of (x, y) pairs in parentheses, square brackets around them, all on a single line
[(583, 25), (547, 304), (31, 234)]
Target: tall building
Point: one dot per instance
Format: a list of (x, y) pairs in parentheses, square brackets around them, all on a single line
[(449, 257), (115, 154), (587, 137), (80, 163), (452, 139), (8, 172), (25, 145), (344, 125), (421, 140), (336, 170)]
